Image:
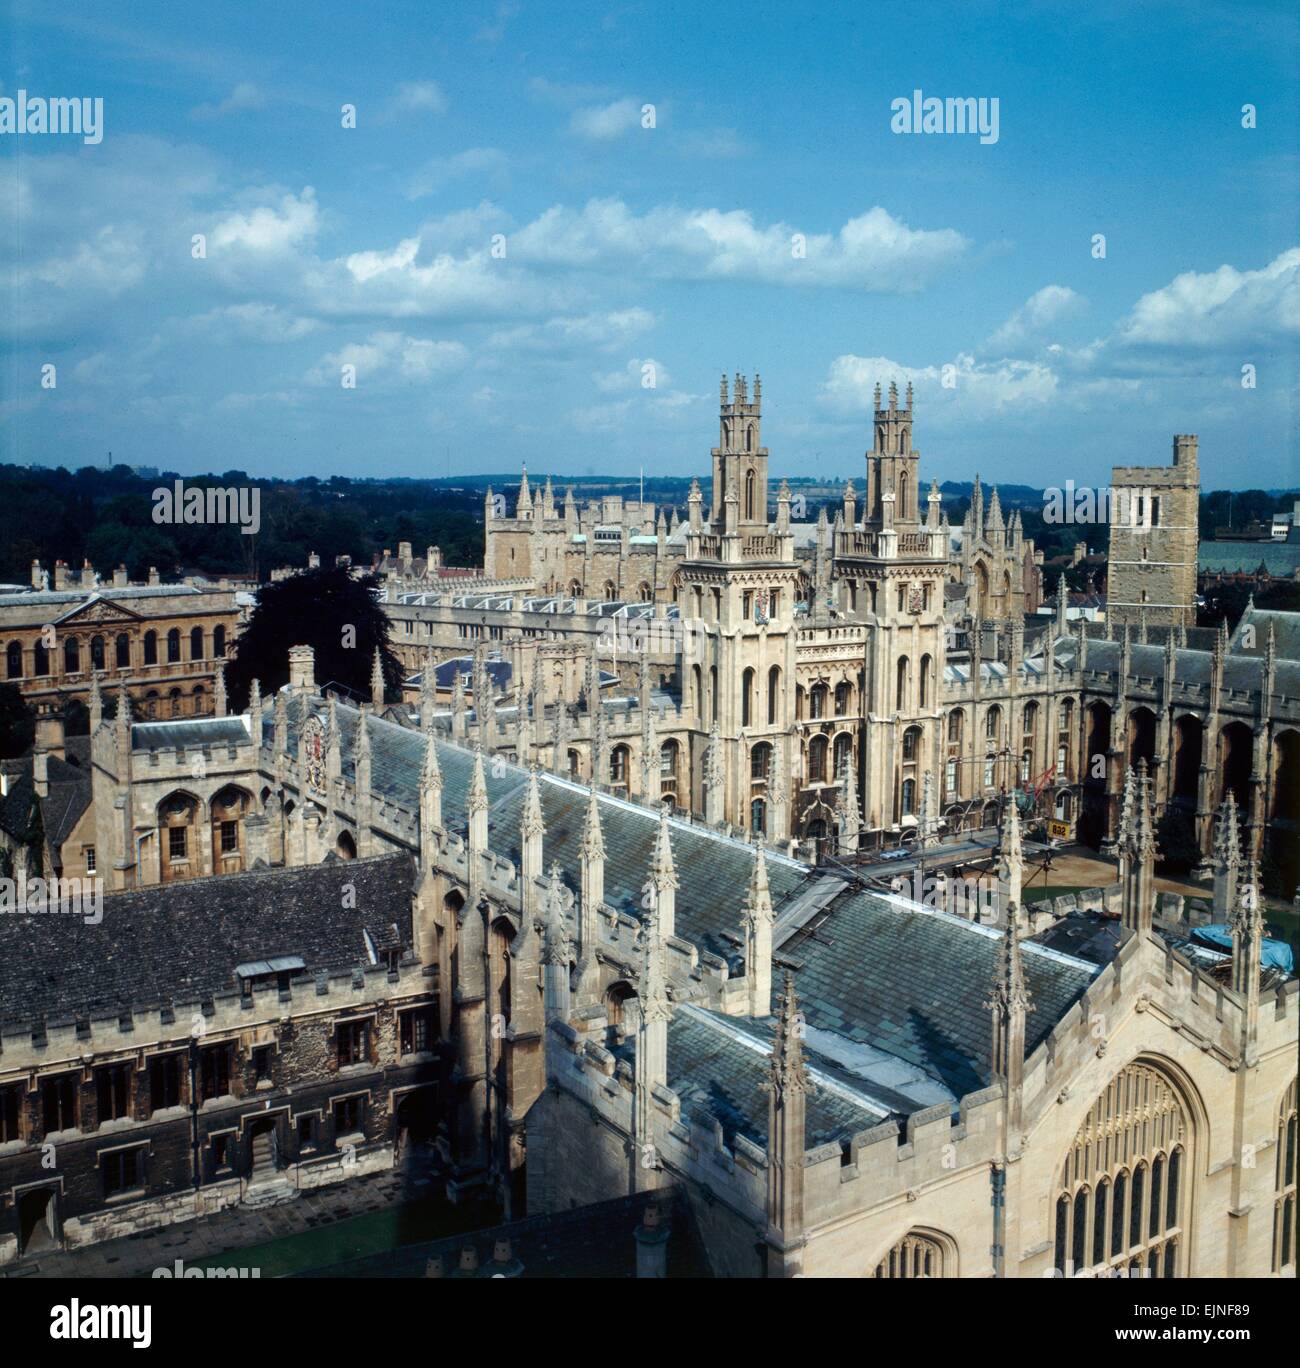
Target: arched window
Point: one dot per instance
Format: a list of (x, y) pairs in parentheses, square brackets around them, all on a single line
[(123, 651), (14, 660), (196, 643), (927, 668), (749, 482), (798, 702), (610, 591), (40, 658), (993, 723), (575, 764), (817, 760), (1284, 1201), (773, 694), (909, 797), (151, 647), (760, 760), (713, 692), (199, 696), (71, 656), (97, 652), (747, 698), (1030, 720), (900, 691), (843, 692), (668, 760), (219, 643), (618, 765), (817, 701), (758, 816), (698, 677), (843, 748), (911, 743), (918, 1255), (173, 646), (1122, 1201), (955, 721), (644, 592), (903, 506), (174, 702), (749, 441)]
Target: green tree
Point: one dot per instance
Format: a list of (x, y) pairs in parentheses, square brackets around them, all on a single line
[(328, 609)]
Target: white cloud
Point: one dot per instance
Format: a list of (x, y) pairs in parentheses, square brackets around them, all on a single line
[(244, 97), (255, 322), (434, 174), (1226, 307), (874, 251), (634, 376), (603, 122), (1040, 311), (269, 228), (418, 97), (963, 388), (388, 358)]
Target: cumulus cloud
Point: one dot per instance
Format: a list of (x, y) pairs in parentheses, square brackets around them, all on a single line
[(269, 228), (1050, 305), (390, 358), (962, 387), (1227, 307), (874, 251)]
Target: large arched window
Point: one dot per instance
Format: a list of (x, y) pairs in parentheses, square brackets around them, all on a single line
[(817, 701), (760, 758), (911, 743), (919, 1255), (14, 660), (900, 692), (843, 748), (927, 670), (173, 645), (1284, 1202), (219, 643), (71, 656), (955, 720), (196, 643), (843, 693), (40, 658), (749, 482), (123, 651), (97, 652), (1122, 1202), (151, 647), (773, 694), (993, 723), (747, 698), (618, 766)]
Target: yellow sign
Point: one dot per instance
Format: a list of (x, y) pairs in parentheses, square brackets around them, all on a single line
[(1059, 830)]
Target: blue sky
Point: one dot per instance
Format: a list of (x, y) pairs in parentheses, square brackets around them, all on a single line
[(669, 247)]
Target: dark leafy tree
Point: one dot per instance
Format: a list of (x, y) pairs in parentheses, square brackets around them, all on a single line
[(17, 723), (328, 609), (1176, 841)]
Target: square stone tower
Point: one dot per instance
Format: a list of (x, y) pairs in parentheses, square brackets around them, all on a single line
[(1154, 534)]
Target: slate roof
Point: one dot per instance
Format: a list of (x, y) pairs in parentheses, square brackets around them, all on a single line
[(885, 972), (1225, 558), (180, 942), (713, 870), (198, 731), (1286, 633)]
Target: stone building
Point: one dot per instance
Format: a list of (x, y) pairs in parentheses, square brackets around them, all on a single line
[(1154, 520), (224, 1042), (163, 641)]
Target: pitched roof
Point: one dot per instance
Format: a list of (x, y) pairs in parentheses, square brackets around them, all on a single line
[(180, 942)]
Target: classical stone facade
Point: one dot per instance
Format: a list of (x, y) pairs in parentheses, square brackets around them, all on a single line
[(163, 641)]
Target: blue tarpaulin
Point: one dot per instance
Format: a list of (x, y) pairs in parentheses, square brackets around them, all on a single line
[(1273, 954)]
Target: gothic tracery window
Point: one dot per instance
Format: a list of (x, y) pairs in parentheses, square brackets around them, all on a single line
[(1284, 1203), (1121, 1205), (914, 1256)]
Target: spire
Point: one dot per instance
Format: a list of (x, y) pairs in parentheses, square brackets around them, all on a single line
[(758, 919), (1011, 862), (96, 703), (430, 796), (1009, 1003), (428, 690), (557, 948), (1227, 858), (592, 873), (663, 879), (478, 805), (1062, 604), (650, 1062), (1246, 922), (560, 749), (255, 712), (458, 704), (533, 824), (593, 840), (219, 690), (377, 680), (715, 777), (787, 1088)]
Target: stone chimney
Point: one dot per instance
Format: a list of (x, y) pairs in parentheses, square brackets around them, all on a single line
[(87, 575), (60, 575), (302, 667), (37, 581), (48, 741), (120, 579), (154, 577)]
